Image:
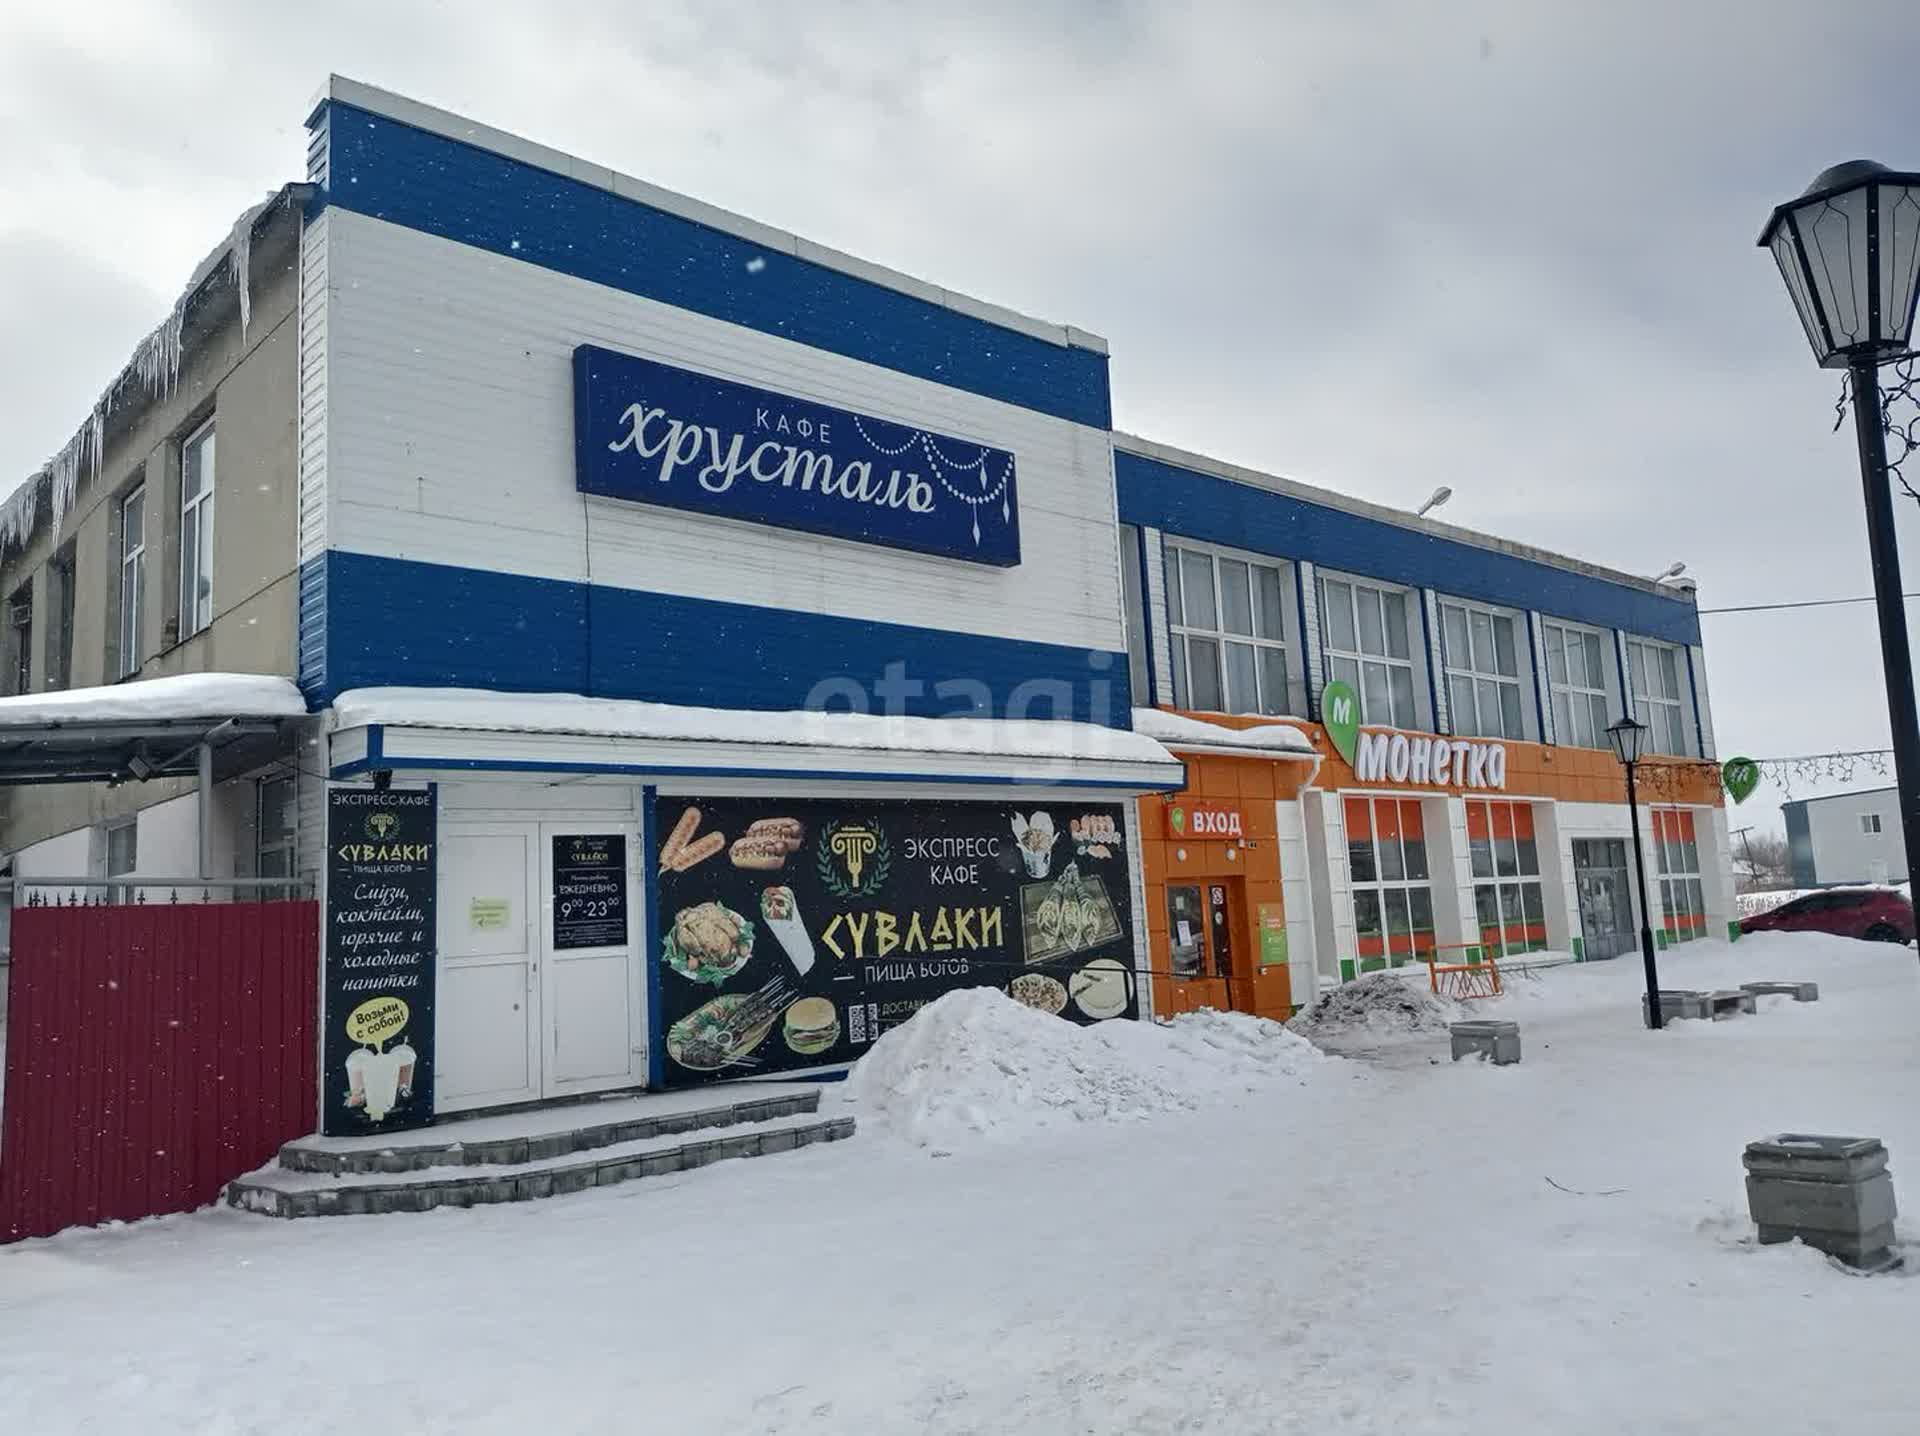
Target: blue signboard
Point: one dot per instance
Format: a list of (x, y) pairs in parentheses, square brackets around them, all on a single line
[(660, 435)]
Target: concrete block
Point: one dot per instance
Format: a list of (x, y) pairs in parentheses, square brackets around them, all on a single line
[(658, 1164), (1677, 1004), (533, 1187), (546, 1148), (1798, 991), (572, 1179), (1499, 1042), (1730, 1002), (780, 1139), (1822, 1206), (1871, 1249), (1809, 1157), (1834, 1193)]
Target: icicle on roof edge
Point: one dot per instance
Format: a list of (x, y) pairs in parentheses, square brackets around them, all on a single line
[(155, 366)]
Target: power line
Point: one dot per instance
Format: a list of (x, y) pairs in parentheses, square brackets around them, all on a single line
[(1802, 603)]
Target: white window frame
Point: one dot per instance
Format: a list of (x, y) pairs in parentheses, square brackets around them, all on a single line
[(120, 893), (1411, 891), (1566, 733), (1665, 717), (1358, 660), (133, 581), (1682, 893), (1502, 878), (1477, 680), (196, 516), (1869, 823), (1266, 649), (280, 842)]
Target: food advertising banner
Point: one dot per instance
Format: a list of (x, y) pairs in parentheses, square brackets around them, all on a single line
[(377, 1049), (793, 933)]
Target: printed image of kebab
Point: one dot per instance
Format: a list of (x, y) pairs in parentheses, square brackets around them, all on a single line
[(762, 1009)]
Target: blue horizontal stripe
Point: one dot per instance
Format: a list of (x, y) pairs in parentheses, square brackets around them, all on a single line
[(390, 170), (400, 622), (1180, 501)]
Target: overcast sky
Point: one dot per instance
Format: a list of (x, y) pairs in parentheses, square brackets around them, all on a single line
[(1377, 246)]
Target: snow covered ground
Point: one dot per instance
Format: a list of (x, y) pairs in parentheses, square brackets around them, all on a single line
[(1395, 1243)]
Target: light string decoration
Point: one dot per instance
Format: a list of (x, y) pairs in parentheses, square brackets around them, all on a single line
[(1673, 777)]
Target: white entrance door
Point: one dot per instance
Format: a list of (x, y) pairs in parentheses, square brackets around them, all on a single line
[(487, 1006), (592, 998)]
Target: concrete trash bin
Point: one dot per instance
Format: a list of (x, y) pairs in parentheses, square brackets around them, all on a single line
[(1834, 1193), (1498, 1042)]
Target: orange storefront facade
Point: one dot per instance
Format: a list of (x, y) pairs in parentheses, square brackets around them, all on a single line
[(1334, 872)]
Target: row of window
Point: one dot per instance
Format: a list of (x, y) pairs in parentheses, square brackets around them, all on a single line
[(1227, 626), (129, 578)]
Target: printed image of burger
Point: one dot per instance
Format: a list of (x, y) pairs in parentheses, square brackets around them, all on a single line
[(812, 1026)]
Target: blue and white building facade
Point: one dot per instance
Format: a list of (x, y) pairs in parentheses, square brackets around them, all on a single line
[(563, 433)]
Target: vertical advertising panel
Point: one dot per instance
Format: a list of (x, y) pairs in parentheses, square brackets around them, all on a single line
[(793, 933), (377, 1049)]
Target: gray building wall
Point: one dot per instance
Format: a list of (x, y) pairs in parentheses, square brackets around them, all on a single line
[(1829, 843), (246, 382)]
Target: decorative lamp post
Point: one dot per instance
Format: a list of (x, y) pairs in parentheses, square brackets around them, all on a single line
[(1849, 251), (1628, 736)]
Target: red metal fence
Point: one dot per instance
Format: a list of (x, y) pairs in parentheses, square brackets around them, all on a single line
[(152, 1055)]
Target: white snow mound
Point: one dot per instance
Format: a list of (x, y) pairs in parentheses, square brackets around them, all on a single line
[(975, 1063), (1382, 1003)]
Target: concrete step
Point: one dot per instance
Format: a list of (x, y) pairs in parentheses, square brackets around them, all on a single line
[(279, 1192), (513, 1138)]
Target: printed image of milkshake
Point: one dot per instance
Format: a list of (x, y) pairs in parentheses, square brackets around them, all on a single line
[(782, 917), (408, 1059), (381, 1071), (357, 1076)]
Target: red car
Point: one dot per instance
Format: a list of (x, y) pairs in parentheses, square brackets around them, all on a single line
[(1875, 914)]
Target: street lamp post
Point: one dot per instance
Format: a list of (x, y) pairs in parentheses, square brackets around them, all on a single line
[(1628, 735), (1849, 251)]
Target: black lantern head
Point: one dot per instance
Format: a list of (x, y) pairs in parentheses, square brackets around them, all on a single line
[(1628, 735), (1849, 250)]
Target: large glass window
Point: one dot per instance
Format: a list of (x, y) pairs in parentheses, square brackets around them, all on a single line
[(1577, 679), (1682, 899), (1364, 630), (1654, 671), (122, 857), (1483, 670), (1507, 896), (1227, 620), (1392, 892), (196, 531), (133, 578), (273, 832)]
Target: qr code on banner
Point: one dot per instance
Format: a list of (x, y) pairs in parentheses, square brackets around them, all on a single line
[(856, 1023)]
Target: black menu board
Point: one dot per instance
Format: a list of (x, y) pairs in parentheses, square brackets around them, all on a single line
[(793, 933), (377, 1050), (589, 890)]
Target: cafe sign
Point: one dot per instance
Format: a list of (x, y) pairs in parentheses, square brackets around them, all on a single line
[(1187, 819), (1385, 755), (654, 434)]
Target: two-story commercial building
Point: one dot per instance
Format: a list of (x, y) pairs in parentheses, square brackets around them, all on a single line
[(682, 650)]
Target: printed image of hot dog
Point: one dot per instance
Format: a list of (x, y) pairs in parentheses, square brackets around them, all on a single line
[(697, 851), (760, 852), (791, 832), (681, 835)]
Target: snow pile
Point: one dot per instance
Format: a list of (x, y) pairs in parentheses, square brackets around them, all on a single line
[(976, 1063), (1382, 1003), (1176, 728)]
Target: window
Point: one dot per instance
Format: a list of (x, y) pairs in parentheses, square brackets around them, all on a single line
[(1680, 892), (1507, 897), (1577, 679), (1227, 619), (1483, 670), (273, 828), (196, 532), (60, 629), (1364, 630), (1869, 822), (133, 578), (1653, 670), (123, 856), (1392, 898), (20, 637), (1135, 606)]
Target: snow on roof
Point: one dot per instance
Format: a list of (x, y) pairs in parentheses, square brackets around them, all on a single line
[(1176, 729), (186, 695), (572, 713), (154, 366)]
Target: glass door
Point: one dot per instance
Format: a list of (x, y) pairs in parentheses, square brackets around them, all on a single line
[(1602, 879)]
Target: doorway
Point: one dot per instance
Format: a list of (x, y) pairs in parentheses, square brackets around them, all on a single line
[(1205, 949), (540, 990), (1601, 876)]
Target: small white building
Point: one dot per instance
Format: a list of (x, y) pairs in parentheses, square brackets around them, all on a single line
[(1846, 838)]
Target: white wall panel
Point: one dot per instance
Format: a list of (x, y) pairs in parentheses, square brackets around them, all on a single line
[(450, 431)]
